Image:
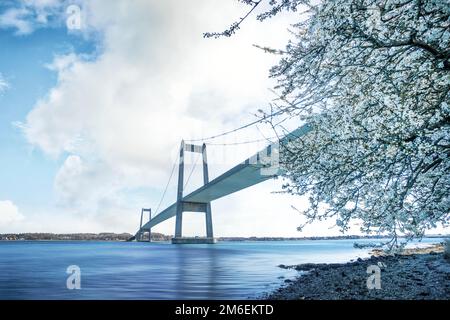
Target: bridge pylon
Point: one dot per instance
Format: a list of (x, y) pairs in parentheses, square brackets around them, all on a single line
[(141, 231), (182, 206)]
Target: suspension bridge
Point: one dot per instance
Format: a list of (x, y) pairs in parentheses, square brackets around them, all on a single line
[(260, 167)]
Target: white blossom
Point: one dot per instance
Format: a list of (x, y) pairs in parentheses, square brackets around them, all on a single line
[(376, 97)]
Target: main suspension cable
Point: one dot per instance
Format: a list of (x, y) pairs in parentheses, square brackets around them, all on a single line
[(240, 143), (167, 186), (237, 129)]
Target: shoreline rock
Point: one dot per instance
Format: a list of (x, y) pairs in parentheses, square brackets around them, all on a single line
[(414, 274)]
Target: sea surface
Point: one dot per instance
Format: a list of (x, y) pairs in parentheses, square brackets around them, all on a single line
[(140, 270)]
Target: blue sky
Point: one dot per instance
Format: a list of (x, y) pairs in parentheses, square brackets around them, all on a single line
[(27, 173), (83, 112), (91, 119)]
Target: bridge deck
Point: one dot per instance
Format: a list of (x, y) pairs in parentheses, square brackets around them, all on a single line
[(242, 176)]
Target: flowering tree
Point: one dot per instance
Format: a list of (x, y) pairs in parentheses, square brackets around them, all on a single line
[(372, 79)]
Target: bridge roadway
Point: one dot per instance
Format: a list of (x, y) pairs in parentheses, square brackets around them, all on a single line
[(252, 171)]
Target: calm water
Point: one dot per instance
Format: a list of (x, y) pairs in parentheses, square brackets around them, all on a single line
[(116, 270)]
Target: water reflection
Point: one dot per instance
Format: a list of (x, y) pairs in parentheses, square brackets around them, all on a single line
[(37, 270), (198, 274)]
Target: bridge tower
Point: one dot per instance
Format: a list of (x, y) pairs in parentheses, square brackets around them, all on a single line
[(182, 206), (141, 232)]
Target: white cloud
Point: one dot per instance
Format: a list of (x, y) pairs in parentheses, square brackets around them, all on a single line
[(121, 117), (4, 85), (17, 18), (118, 119), (28, 15), (42, 4), (9, 214)]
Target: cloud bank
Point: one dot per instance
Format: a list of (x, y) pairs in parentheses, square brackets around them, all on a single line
[(9, 214), (117, 117)]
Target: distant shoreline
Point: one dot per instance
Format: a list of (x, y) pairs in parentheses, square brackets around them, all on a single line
[(104, 236), (121, 237)]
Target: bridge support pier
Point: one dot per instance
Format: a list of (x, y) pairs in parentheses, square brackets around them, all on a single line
[(192, 206)]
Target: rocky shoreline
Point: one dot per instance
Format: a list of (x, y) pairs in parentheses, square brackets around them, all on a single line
[(415, 274)]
